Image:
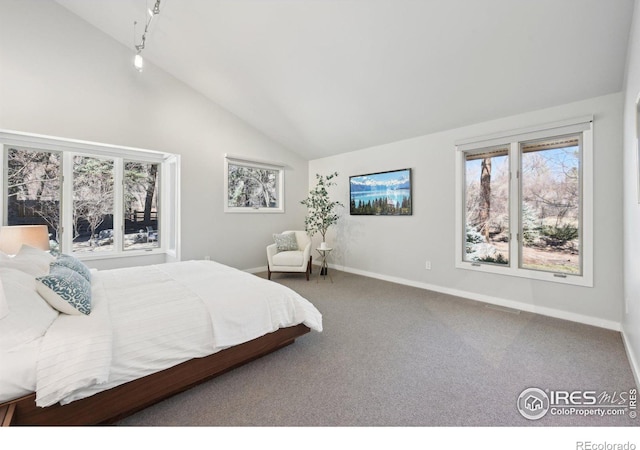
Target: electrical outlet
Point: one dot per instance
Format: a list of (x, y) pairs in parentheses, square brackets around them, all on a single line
[(427, 265), (207, 258)]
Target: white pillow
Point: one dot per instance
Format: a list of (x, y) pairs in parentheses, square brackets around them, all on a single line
[(29, 260), (29, 315), (72, 263), (66, 290)]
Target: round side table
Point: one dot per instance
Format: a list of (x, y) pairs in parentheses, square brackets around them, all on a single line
[(324, 267)]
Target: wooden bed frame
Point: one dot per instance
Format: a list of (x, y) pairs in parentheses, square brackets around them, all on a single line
[(116, 403)]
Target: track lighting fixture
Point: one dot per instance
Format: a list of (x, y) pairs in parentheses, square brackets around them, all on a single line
[(138, 61)]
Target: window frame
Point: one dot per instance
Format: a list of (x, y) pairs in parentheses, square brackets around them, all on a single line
[(4, 203), (254, 164), (494, 149), (159, 206), (513, 138), (68, 203), (169, 209)]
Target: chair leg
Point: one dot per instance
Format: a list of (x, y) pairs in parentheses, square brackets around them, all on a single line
[(307, 272), (268, 273), (310, 264)]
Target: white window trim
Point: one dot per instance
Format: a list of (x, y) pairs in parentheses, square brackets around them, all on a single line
[(512, 138), (248, 162), (170, 212)]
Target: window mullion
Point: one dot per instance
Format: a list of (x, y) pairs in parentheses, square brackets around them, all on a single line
[(4, 203), (515, 206), (67, 202), (118, 210)]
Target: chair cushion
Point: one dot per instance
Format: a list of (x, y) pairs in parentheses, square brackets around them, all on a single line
[(290, 259), (286, 242)]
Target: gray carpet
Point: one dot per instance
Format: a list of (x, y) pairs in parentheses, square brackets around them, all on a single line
[(392, 355)]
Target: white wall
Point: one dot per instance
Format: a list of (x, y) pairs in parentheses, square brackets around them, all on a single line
[(397, 248), (59, 76), (631, 322)]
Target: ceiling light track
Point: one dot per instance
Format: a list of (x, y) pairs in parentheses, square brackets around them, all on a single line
[(138, 61)]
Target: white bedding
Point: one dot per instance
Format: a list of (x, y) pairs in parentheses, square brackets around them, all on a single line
[(18, 370), (75, 352), (149, 318)]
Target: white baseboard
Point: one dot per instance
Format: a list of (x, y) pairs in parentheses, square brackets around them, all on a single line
[(633, 361), (558, 314), (256, 269)]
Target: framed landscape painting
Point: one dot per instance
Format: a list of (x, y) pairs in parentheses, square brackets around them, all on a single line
[(381, 194)]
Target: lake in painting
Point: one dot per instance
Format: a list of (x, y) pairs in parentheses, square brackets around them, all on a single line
[(381, 194)]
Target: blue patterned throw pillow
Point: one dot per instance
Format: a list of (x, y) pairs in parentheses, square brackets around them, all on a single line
[(65, 290), (286, 242), (73, 263)]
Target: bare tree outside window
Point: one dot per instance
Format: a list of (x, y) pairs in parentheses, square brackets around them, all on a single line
[(92, 204), (33, 188), (487, 206), (549, 201), (550, 213), (252, 187), (102, 182)]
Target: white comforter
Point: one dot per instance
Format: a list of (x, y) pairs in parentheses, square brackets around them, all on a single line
[(149, 318)]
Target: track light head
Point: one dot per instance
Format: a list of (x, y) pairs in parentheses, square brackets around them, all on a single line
[(138, 62)]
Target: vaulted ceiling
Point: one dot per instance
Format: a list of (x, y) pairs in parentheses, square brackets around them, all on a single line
[(329, 76)]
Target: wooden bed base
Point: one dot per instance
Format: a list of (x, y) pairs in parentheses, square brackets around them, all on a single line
[(116, 403)]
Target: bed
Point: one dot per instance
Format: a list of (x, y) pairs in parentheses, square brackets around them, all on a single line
[(152, 332)]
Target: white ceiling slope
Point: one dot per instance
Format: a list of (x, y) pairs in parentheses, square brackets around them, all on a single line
[(329, 76)]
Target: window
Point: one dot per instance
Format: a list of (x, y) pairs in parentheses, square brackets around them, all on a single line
[(141, 193), (93, 184), (33, 189), (97, 200), (550, 204), (525, 203), (253, 186), (487, 205)]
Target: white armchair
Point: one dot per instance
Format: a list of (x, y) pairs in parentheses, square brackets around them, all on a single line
[(292, 260)]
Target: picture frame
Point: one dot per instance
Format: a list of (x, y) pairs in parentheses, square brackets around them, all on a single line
[(253, 186), (381, 194)]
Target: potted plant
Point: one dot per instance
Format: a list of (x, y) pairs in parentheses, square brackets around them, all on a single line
[(321, 211)]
